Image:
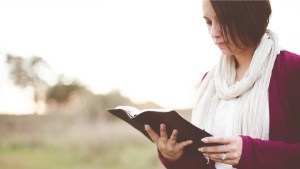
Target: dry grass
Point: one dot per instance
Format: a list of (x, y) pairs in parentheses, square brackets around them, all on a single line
[(64, 142), (73, 142)]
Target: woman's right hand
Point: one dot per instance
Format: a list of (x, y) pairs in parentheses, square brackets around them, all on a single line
[(168, 147)]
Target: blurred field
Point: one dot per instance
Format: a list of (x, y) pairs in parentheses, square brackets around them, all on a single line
[(68, 142)]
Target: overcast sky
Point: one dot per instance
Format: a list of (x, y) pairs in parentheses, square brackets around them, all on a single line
[(154, 50)]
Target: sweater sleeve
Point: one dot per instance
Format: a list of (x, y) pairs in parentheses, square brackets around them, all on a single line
[(186, 162), (261, 154)]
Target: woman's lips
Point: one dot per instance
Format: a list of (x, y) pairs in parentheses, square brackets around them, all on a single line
[(221, 44)]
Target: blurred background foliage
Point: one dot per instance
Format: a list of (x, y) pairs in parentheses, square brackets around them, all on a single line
[(70, 128)]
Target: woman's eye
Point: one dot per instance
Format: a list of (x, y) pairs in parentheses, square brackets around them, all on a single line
[(208, 22)]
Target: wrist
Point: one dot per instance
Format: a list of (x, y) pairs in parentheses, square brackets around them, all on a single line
[(171, 158)]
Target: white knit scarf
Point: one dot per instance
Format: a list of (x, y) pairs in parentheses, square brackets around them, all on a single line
[(251, 91)]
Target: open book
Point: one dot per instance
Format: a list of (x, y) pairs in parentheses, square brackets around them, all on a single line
[(154, 117)]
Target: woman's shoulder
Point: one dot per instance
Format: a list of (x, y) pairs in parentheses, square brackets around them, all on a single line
[(288, 61), (287, 68), (289, 58)]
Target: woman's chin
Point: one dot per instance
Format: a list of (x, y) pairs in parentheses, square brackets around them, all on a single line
[(226, 52)]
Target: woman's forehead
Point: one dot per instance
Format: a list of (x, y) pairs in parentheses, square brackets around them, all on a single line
[(208, 10)]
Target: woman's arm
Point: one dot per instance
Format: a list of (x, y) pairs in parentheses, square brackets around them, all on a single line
[(261, 154)]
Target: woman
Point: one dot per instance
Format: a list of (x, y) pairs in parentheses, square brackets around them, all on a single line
[(250, 101)]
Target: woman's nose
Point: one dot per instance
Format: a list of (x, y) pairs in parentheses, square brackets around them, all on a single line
[(216, 30)]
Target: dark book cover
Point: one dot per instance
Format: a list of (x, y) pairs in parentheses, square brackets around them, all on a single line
[(172, 120)]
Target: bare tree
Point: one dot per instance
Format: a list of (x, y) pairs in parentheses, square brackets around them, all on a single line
[(25, 72)]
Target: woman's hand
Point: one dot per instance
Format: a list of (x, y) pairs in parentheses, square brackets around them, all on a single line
[(229, 152), (168, 147)]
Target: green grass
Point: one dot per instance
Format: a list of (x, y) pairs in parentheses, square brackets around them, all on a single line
[(118, 156)]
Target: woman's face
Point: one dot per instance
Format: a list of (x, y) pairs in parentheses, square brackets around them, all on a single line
[(214, 29)]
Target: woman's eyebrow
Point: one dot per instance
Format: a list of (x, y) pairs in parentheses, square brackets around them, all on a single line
[(206, 18)]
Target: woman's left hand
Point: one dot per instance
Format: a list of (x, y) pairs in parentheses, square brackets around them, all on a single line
[(229, 152)]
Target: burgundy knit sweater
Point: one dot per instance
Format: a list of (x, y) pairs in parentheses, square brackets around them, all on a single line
[(282, 151)]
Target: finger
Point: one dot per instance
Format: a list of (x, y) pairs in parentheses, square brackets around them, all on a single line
[(229, 156), (220, 140), (173, 137), (230, 162), (185, 143), (214, 149), (154, 136), (163, 132)]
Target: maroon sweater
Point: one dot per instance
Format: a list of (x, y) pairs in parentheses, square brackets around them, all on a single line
[(282, 151)]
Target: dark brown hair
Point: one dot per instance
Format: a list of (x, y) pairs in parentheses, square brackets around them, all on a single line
[(244, 21)]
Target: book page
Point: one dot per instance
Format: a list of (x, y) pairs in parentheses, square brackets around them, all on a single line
[(157, 110), (131, 111)]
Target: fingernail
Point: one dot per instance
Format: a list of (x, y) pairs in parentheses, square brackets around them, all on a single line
[(204, 140), (200, 149), (146, 127)]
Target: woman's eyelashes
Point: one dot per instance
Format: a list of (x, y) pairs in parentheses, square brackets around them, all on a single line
[(208, 22)]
